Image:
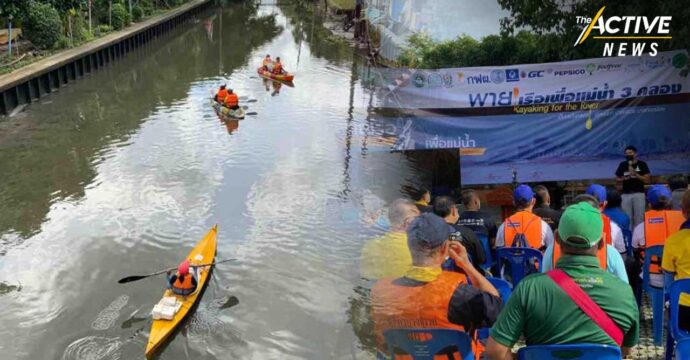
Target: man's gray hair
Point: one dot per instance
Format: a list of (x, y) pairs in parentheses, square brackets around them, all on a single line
[(399, 210)]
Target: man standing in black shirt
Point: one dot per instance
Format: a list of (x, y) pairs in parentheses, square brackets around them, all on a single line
[(481, 223), (633, 174), (543, 209)]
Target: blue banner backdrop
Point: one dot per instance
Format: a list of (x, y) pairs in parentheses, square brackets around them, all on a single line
[(572, 133), (555, 146)]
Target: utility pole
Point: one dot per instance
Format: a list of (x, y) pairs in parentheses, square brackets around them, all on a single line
[(90, 30)]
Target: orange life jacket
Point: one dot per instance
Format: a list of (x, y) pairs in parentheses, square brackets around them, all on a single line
[(231, 100), (607, 230), (222, 93), (658, 226), (523, 222), (277, 68), (398, 306), (602, 255), (184, 284)]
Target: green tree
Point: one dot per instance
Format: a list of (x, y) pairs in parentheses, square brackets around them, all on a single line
[(11, 10), (63, 6), (493, 50), (42, 24)]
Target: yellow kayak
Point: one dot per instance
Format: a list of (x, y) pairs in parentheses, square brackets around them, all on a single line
[(223, 111), (203, 253)]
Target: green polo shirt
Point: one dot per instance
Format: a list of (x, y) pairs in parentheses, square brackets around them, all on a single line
[(544, 314)]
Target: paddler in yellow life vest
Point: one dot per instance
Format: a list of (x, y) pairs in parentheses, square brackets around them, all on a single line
[(221, 94), (182, 282), (278, 67), (232, 101), (267, 63)]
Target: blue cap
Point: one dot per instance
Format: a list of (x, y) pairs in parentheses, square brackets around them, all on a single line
[(598, 192), (656, 192), (428, 230), (523, 193)]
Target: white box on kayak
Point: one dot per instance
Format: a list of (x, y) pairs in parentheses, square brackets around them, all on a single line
[(168, 301), (161, 312), (157, 312)]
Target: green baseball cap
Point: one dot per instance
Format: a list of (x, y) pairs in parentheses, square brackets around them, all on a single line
[(580, 226)]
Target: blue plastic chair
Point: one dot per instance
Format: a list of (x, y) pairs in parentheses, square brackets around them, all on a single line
[(656, 294), (677, 288), (675, 333), (627, 237), (504, 290), (683, 349), (570, 352), (423, 344), (670, 342), (484, 239), (519, 260)]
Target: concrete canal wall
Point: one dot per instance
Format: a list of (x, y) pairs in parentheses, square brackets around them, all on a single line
[(41, 78)]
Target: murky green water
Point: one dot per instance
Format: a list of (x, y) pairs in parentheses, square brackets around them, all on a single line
[(123, 172)]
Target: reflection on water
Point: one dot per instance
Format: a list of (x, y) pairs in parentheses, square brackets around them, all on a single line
[(6, 288), (49, 154), (122, 172), (106, 318)]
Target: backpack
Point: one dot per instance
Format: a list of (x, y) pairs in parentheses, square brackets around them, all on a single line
[(519, 239)]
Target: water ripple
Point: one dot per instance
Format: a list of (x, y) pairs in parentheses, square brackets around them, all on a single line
[(94, 348)]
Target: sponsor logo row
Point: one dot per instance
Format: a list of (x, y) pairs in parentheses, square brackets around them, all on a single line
[(499, 76)]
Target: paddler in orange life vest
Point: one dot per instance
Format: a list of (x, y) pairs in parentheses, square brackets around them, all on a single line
[(182, 282), (609, 258), (278, 67), (232, 101), (221, 94), (524, 229), (613, 235), (428, 297), (659, 223), (267, 63)]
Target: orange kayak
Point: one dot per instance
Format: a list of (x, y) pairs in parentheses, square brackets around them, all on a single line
[(287, 77), (161, 330)]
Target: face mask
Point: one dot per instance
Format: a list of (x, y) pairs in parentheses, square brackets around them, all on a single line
[(630, 157)]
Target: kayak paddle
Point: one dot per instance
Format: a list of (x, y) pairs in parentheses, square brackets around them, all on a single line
[(132, 278)]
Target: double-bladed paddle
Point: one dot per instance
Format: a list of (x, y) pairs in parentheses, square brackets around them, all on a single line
[(132, 278)]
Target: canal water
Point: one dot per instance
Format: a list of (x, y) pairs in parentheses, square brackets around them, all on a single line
[(122, 172)]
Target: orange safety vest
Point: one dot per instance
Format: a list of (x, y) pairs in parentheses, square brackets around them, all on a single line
[(658, 226), (607, 229), (231, 100), (185, 284), (277, 68), (523, 222), (602, 255), (426, 307), (222, 93)]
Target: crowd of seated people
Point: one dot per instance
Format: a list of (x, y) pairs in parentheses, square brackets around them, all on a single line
[(582, 292)]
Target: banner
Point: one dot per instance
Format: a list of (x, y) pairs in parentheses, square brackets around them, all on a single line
[(545, 122)]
